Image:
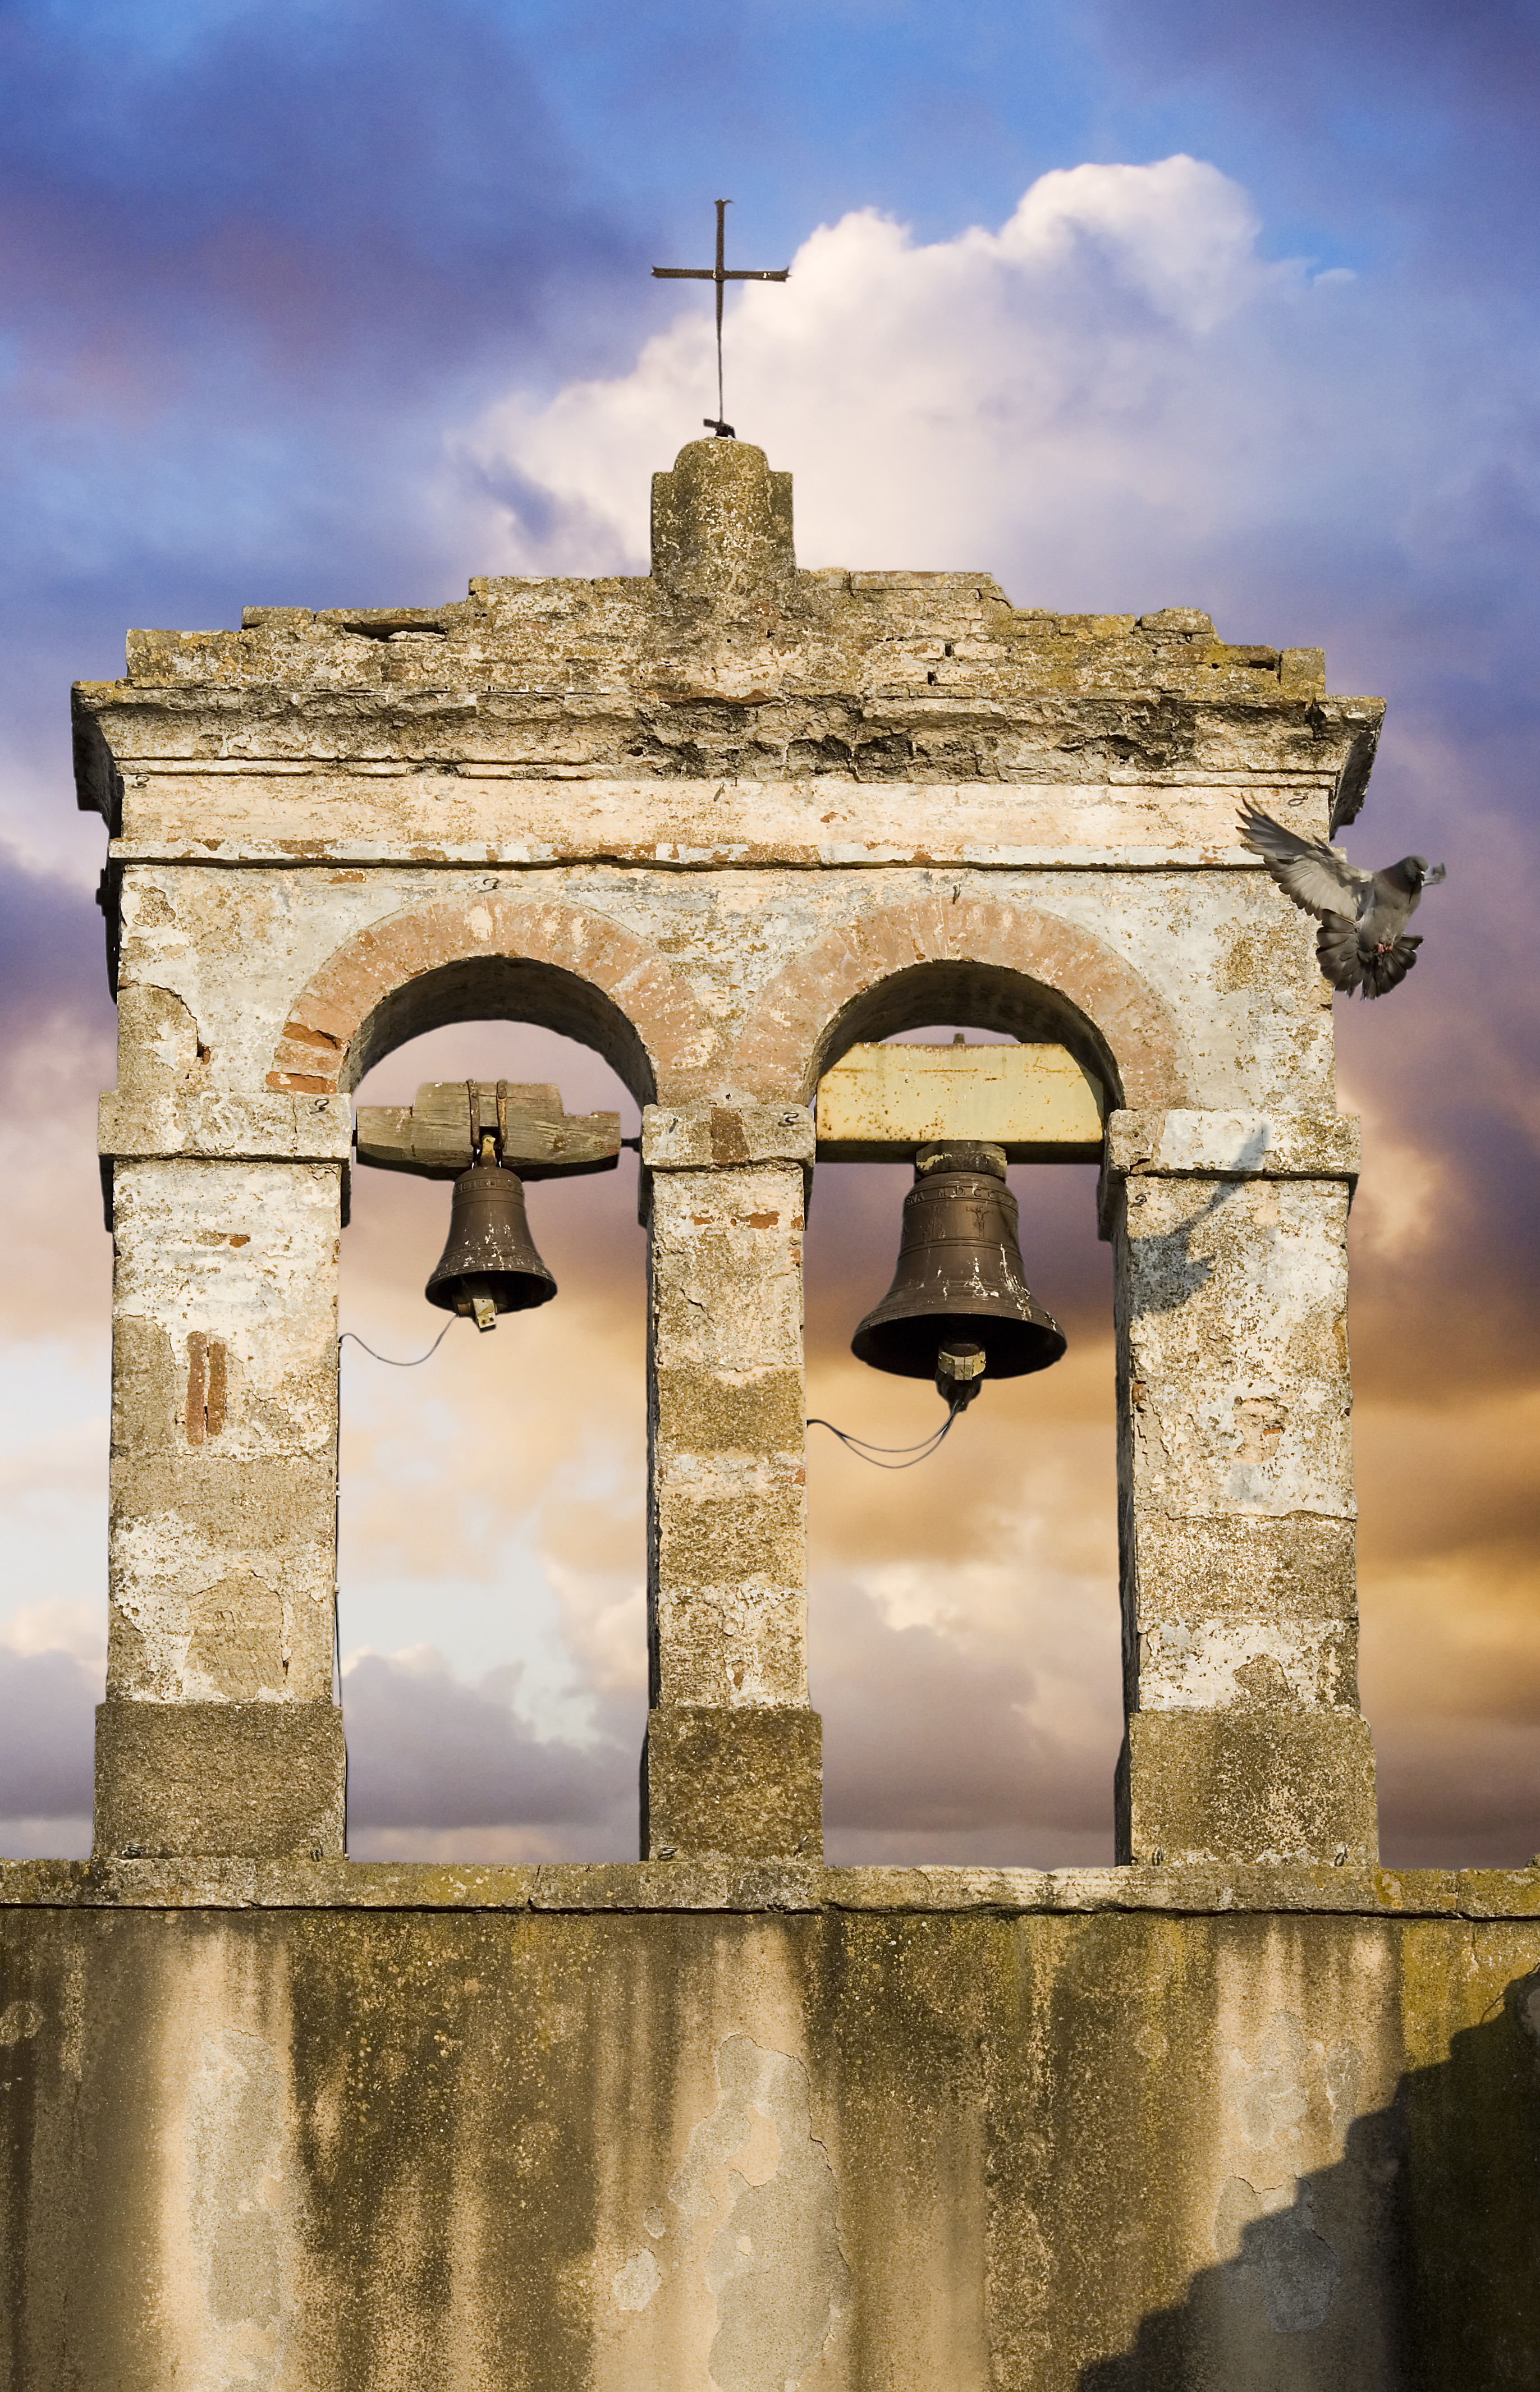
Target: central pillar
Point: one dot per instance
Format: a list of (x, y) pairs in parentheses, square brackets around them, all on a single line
[(732, 1763)]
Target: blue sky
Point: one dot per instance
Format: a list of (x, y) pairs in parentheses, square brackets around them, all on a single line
[(298, 302)]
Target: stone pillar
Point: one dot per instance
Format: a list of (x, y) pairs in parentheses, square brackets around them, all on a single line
[(1245, 1741), (220, 1732), (733, 1759)]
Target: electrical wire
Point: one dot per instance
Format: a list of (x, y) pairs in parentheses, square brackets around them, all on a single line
[(395, 1360), (862, 1446), (864, 1450)]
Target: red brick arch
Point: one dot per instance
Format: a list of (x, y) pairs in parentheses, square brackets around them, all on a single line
[(993, 964), (488, 955)]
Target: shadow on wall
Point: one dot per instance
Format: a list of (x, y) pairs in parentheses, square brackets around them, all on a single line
[(1415, 2262)]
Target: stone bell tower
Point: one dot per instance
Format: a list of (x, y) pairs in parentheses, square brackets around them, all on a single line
[(723, 823), (1243, 2110)]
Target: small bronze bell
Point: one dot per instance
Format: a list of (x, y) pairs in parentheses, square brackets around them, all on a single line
[(959, 1307), (490, 1265)]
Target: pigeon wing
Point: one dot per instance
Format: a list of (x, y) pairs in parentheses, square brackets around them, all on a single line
[(1317, 877)]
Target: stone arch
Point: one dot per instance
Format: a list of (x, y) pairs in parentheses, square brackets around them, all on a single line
[(487, 955), (990, 963)]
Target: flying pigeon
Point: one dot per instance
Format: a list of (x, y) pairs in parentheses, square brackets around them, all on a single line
[(1361, 942)]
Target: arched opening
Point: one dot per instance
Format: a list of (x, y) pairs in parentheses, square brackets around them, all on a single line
[(492, 1506), (964, 1626), (474, 990), (1008, 1006)]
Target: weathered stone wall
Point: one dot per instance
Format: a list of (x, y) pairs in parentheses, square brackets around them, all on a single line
[(387, 2130)]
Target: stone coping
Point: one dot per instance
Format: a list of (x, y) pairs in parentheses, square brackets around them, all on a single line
[(650, 1887)]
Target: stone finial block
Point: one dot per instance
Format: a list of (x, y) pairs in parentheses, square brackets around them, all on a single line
[(1270, 1786), (259, 1781), (722, 522), (707, 1136), (746, 1783)]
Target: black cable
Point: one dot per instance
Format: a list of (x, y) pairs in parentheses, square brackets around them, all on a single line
[(392, 1359), (859, 1444)]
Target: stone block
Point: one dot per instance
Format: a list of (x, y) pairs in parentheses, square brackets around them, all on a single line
[(1233, 1324), (706, 1136), (1277, 1786), (1242, 1565), (255, 1780), (747, 1411), (745, 1783), (1185, 1144)]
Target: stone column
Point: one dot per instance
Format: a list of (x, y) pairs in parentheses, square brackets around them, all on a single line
[(1235, 1472), (220, 1732), (732, 1762)]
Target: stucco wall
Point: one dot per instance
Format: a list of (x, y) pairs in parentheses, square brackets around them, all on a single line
[(643, 2130)]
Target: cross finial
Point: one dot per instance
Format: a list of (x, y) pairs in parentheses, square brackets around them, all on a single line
[(719, 274)]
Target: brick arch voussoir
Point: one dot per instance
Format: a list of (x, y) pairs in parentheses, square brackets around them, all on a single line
[(317, 1050), (788, 1039)]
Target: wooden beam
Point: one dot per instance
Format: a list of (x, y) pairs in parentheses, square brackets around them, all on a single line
[(434, 1137), (879, 1103)]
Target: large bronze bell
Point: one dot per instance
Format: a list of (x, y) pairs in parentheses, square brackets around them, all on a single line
[(490, 1263), (958, 1308)]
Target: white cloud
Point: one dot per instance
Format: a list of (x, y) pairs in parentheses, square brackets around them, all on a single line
[(1114, 377)]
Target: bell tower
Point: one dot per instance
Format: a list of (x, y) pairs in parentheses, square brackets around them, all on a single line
[(565, 800)]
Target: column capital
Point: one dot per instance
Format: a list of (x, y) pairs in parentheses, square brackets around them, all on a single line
[(1192, 1145), (715, 1134), (224, 1125)]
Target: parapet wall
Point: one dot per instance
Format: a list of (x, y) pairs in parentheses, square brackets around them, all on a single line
[(639, 2129)]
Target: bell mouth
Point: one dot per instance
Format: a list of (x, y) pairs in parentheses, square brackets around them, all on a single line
[(507, 1291), (911, 1348)]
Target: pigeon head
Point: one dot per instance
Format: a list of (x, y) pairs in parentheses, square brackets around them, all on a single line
[(1415, 872)]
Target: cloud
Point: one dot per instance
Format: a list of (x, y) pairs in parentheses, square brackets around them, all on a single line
[(1061, 389), (52, 958), (360, 188), (48, 1701), (426, 1751), (1449, 169)]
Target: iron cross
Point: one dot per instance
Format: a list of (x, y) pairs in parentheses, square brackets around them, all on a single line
[(718, 274)]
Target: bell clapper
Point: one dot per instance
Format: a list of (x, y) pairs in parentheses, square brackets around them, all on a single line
[(960, 1367), (477, 1302)]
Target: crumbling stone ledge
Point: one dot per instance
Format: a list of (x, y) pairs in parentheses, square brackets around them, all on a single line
[(773, 1887)]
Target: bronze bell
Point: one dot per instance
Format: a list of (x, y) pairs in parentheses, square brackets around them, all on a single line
[(490, 1263), (959, 1307)]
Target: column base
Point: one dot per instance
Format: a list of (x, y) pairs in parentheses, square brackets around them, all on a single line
[(256, 1781), (1253, 1786), (743, 1784)]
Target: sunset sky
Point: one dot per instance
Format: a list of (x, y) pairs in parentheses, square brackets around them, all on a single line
[(325, 302)]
